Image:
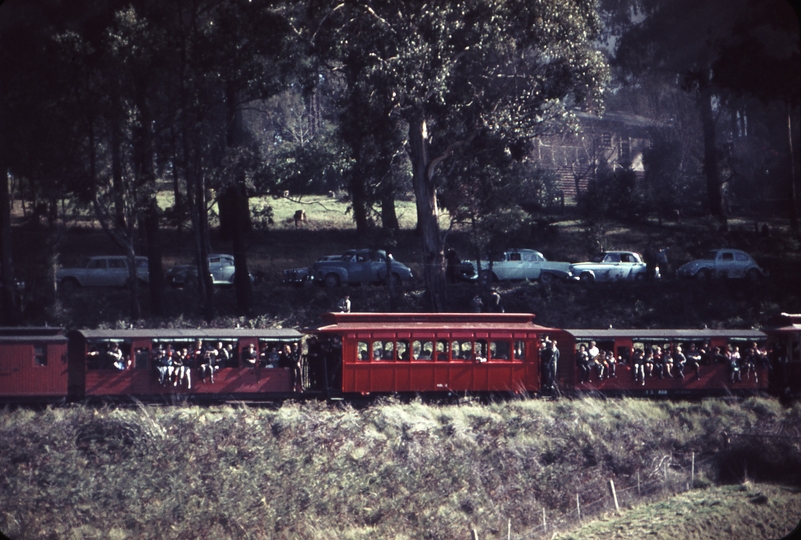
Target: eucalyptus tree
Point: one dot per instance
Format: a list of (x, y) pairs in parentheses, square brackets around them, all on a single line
[(453, 70)]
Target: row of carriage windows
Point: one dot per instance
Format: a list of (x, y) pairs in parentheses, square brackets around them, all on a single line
[(120, 355), (465, 350)]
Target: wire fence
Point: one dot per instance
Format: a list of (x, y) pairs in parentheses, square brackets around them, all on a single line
[(666, 476)]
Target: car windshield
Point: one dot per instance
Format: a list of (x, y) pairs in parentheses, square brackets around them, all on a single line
[(710, 255), (598, 258)]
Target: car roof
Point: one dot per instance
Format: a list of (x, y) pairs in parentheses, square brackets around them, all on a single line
[(114, 257)]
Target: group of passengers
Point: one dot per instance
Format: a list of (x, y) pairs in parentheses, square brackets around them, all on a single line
[(592, 359), (672, 360), (174, 365)]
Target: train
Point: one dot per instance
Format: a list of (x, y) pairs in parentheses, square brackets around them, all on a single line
[(352, 355)]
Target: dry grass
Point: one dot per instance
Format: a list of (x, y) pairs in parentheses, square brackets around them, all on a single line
[(748, 511), (392, 470)]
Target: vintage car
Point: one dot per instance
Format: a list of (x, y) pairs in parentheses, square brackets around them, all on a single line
[(611, 266), (107, 271), (301, 276), (521, 264), (221, 268), (722, 263), (359, 266)]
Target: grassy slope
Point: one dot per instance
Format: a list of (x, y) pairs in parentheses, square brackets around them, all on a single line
[(391, 470), (746, 511)]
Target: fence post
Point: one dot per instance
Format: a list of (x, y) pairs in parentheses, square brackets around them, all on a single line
[(509, 530), (692, 473), (614, 495), (638, 484), (578, 507), (474, 534), (664, 478), (544, 524)]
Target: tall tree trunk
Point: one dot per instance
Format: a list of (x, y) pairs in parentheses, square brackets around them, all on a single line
[(11, 307), (244, 288), (714, 186), (389, 217), (427, 224), (358, 197), (154, 266), (793, 189), (240, 214)]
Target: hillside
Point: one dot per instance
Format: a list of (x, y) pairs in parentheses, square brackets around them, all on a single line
[(399, 470)]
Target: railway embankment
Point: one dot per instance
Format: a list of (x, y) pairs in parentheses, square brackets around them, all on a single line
[(387, 470)]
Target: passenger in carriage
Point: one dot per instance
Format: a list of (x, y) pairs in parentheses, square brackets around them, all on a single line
[(208, 365), (223, 355), (480, 351), (638, 364), (182, 366), (650, 361), (694, 359), (271, 358), (583, 363), (706, 354), (250, 357), (679, 361), (114, 357), (597, 363), (664, 362), (611, 365), (719, 356), (162, 363)]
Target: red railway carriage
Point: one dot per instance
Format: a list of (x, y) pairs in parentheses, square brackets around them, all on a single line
[(95, 371), (785, 341), (715, 373), (33, 363), (368, 353)]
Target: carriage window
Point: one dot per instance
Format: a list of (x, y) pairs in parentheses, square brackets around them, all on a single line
[(403, 349), (39, 355), (480, 350), (462, 350), (383, 350), (520, 350), (442, 350), (500, 350), (362, 351), (624, 353), (422, 350)]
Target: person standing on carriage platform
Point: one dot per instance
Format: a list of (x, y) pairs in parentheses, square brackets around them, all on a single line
[(550, 360)]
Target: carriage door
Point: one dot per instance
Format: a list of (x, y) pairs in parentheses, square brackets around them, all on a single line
[(143, 375)]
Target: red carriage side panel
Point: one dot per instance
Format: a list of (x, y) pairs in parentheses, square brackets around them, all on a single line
[(141, 372), (390, 352), (33, 366), (712, 376)]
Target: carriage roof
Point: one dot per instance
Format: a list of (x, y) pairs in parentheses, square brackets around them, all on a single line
[(270, 334)]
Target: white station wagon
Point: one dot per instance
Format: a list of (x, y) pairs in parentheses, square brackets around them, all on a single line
[(521, 264), (107, 271)]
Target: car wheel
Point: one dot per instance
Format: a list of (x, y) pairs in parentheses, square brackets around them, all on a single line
[(547, 279), (753, 275), (69, 285), (703, 275), (331, 280), (586, 277)]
